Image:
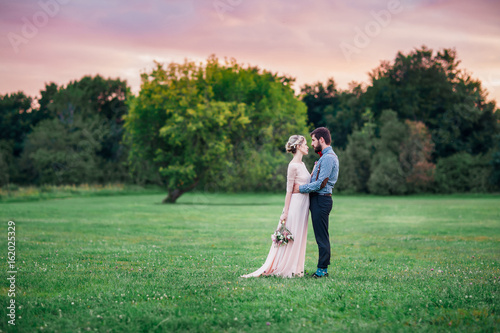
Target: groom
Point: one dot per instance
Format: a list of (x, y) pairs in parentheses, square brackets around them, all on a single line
[(323, 178)]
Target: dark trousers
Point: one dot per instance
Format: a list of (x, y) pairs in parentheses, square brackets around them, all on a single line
[(320, 207)]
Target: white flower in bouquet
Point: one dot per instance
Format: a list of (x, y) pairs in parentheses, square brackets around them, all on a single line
[(282, 235)]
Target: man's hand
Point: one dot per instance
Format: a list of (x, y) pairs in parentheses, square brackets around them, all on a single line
[(296, 188)]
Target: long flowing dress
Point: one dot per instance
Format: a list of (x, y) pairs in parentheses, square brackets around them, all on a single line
[(288, 260)]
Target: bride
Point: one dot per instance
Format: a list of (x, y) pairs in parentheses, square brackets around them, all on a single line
[(288, 260)]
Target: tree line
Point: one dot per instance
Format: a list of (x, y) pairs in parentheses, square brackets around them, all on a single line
[(422, 125)]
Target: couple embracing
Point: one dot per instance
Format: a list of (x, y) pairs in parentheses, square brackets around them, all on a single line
[(304, 192)]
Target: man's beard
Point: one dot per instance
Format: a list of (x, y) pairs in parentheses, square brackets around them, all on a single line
[(317, 149)]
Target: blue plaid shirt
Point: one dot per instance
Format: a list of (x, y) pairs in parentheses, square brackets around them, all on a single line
[(329, 168)]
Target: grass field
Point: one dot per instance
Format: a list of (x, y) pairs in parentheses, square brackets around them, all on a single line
[(131, 264)]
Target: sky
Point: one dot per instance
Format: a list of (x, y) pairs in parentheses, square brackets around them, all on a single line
[(59, 41)]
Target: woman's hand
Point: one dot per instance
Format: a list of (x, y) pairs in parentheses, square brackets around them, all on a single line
[(283, 217)]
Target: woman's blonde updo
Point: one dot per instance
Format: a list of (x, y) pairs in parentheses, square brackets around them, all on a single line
[(293, 143)]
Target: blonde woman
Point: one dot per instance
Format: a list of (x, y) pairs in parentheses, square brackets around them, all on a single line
[(288, 260)]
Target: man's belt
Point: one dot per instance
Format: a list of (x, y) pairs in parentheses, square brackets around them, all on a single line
[(313, 194)]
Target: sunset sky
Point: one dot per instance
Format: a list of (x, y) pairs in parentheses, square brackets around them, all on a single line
[(62, 40)]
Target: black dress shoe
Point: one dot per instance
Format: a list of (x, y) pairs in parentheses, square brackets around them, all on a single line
[(316, 276)]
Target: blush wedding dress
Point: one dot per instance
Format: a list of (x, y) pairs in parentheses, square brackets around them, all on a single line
[(288, 260)]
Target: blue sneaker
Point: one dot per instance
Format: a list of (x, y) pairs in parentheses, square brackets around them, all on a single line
[(320, 273)]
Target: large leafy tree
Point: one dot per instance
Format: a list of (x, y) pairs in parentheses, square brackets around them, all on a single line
[(77, 133), (339, 110), (19, 114), (396, 161), (93, 97), (317, 98), (429, 86), (422, 85), (192, 122), (64, 151), (387, 176), (16, 120), (445, 110), (356, 159)]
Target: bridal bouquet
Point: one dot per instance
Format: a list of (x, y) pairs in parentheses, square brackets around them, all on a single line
[(282, 235)]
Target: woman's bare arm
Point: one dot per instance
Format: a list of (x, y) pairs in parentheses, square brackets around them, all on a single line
[(288, 198)]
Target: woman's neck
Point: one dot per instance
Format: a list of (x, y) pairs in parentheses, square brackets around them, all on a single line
[(297, 158)]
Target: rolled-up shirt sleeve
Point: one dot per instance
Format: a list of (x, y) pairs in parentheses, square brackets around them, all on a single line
[(326, 165)]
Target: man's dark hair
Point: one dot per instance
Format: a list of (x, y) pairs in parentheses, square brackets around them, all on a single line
[(322, 132)]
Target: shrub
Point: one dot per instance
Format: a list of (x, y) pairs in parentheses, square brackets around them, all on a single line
[(463, 172)]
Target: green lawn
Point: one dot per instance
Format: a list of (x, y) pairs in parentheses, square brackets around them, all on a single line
[(129, 263)]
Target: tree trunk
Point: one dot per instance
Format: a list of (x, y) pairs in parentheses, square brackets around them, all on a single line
[(175, 194), (172, 196)]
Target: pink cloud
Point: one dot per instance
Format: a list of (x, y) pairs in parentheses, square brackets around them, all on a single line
[(120, 38)]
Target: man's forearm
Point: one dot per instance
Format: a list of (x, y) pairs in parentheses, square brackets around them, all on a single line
[(311, 187)]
